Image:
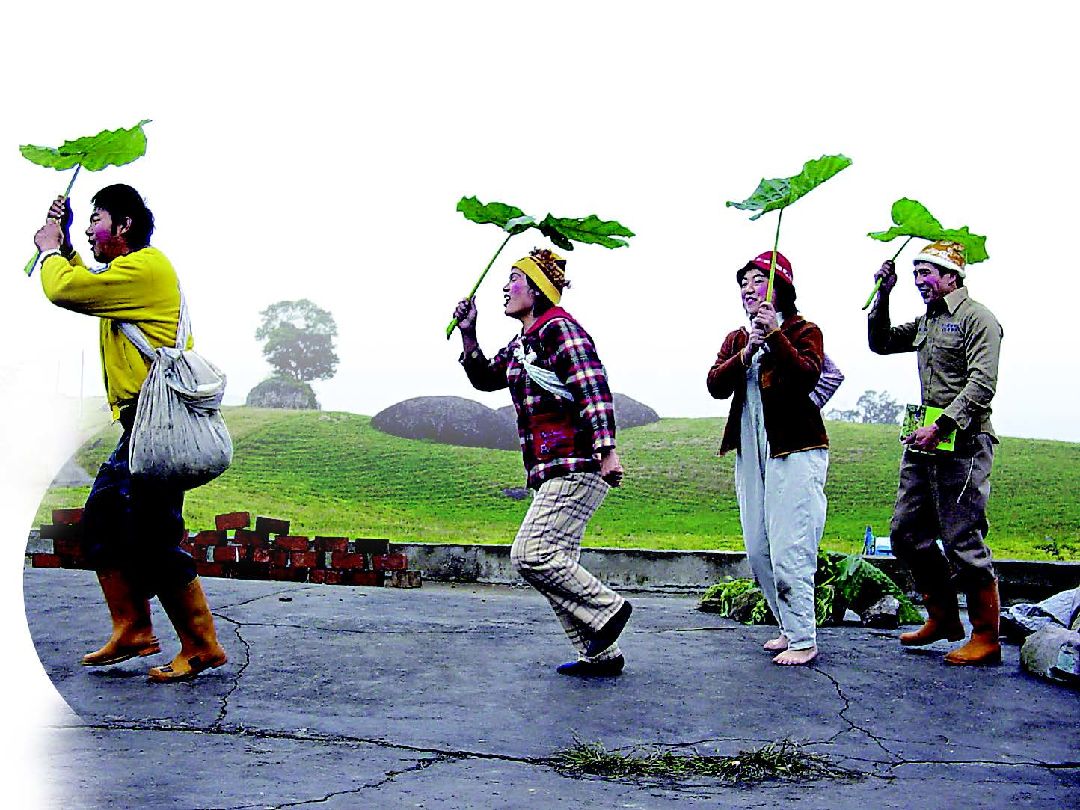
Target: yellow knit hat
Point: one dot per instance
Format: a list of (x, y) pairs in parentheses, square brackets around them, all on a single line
[(547, 270)]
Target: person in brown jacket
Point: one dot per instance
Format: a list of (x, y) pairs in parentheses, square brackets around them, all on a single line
[(782, 458)]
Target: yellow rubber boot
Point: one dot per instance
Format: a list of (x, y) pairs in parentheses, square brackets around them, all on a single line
[(983, 648), (132, 631), (199, 647), (942, 621)]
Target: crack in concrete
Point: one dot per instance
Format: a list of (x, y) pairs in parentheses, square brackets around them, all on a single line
[(900, 761), (722, 629), (852, 725), (382, 631), (390, 776), (224, 710), (256, 598), (168, 726), (1050, 766)]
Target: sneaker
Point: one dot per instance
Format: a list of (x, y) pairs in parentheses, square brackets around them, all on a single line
[(593, 669)]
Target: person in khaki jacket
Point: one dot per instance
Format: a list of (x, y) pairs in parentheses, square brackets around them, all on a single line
[(943, 494), (131, 529)]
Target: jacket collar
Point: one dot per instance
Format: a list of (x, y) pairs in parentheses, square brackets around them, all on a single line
[(551, 314)]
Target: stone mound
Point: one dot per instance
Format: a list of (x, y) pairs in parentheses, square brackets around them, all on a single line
[(448, 420), (628, 412), (282, 392)]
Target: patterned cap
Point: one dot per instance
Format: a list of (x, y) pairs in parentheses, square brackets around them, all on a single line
[(547, 270), (946, 255), (761, 262)]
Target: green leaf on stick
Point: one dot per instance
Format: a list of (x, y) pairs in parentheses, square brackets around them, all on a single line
[(110, 147), (912, 219), (508, 217), (779, 193), (590, 230), (562, 232)]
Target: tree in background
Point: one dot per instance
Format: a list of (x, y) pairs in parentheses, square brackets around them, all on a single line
[(299, 343), (299, 340), (873, 407)]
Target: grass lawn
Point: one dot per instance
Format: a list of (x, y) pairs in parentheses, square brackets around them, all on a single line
[(333, 474)]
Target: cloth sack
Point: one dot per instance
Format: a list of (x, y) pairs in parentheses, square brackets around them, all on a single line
[(179, 438)]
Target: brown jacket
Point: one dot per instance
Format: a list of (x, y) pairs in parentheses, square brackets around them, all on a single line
[(789, 371)]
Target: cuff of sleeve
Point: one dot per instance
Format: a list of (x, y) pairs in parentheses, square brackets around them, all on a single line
[(946, 424), (471, 357)]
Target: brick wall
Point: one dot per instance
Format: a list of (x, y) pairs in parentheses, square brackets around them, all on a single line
[(234, 549)]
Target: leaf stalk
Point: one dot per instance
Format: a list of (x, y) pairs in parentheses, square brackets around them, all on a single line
[(30, 265), (453, 323)]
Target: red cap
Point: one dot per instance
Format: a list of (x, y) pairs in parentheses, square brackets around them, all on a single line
[(762, 261)]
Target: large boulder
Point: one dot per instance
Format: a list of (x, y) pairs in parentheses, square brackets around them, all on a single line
[(628, 412), (448, 420), (631, 413), (282, 392)]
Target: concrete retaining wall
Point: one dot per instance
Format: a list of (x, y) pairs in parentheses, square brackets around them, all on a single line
[(694, 571), (675, 571)]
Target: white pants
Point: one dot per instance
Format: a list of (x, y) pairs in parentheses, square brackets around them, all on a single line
[(782, 509)]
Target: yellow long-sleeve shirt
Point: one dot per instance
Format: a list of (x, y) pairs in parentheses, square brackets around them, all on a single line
[(140, 287)]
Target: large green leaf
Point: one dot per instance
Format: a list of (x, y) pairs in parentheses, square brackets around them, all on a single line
[(590, 230), (110, 147), (911, 218), (771, 195), (508, 217), (562, 231)]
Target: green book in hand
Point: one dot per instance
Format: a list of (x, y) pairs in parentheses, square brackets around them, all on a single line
[(917, 416)]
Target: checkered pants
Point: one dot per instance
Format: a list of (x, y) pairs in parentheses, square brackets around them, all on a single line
[(546, 552)]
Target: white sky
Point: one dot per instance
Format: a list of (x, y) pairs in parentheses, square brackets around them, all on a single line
[(318, 150)]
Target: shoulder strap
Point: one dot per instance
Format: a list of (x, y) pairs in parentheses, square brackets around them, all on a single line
[(136, 336)]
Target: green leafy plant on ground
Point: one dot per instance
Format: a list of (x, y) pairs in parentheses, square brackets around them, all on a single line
[(842, 583), (784, 760)]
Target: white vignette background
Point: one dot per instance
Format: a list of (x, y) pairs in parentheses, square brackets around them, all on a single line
[(318, 151)]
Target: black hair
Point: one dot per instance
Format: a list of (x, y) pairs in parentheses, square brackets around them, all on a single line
[(124, 202), (541, 303), (785, 297)]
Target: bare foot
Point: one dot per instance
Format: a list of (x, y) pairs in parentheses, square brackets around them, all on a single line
[(776, 644), (796, 658)]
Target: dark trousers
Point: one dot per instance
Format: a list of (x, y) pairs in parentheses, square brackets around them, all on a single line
[(944, 495), (134, 527)]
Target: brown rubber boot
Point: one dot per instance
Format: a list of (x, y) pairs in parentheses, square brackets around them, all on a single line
[(942, 621), (132, 632), (199, 648), (984, 610)]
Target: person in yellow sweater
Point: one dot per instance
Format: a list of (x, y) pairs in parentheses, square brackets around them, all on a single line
[(131, 529)]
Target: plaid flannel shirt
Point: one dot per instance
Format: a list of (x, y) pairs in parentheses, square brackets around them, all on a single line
[(563, 346)]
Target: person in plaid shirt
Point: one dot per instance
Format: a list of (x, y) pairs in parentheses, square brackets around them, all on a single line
[(566, 426)]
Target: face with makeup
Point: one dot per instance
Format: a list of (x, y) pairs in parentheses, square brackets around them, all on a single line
[(933, 283), (752, 289), (106, 236), (518, 297)]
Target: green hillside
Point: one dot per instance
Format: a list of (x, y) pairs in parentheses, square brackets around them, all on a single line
[(333, 474)]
